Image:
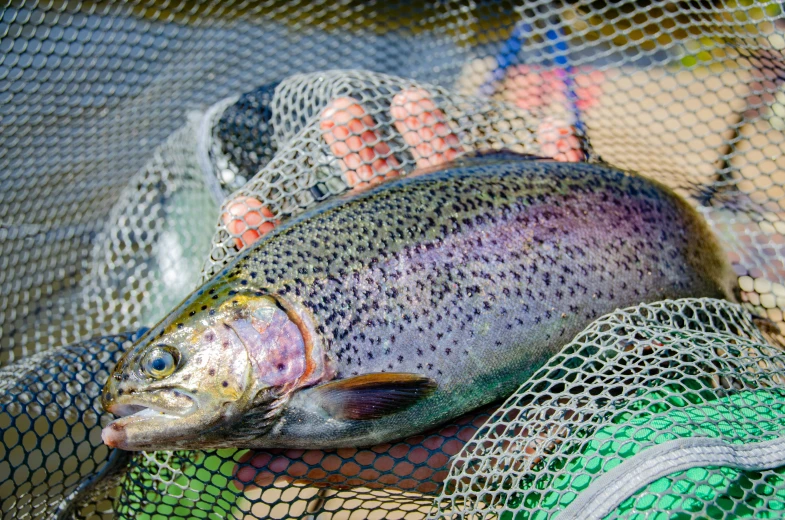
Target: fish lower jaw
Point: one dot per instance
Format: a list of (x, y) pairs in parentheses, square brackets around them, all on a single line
[(114, 434)]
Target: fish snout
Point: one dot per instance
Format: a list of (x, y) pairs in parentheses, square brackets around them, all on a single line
[(113, 401), (109, 396), (114, 393), (114, 436)]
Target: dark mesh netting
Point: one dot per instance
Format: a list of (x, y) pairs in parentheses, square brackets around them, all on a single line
[(143, 145), (51, 422)]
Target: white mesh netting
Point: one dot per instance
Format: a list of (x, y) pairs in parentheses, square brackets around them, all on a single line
[(144, 144)]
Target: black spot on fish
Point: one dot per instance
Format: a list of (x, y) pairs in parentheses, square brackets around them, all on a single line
[(211, 372), (225, 384)]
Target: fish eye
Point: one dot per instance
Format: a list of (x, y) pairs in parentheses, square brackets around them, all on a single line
[(160, 361)]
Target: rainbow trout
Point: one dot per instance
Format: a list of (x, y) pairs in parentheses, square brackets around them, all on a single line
[(380, 316)]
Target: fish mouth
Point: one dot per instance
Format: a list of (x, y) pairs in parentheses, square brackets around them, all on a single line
[(141, 417), (124, 410)]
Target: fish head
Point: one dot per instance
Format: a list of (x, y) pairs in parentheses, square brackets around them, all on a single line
[(189, 379)]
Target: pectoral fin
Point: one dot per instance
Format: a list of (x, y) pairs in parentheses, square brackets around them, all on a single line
[(372, 396)]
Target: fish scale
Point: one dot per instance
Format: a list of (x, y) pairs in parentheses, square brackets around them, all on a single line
[(388, 280), (472, 276)]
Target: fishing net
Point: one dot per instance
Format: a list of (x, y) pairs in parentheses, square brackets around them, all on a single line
[(144, 144)]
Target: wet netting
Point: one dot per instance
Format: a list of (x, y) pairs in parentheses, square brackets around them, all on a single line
[(144, 144)]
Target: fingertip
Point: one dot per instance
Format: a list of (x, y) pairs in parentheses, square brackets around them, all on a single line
[(414, 94), (399, 100), (245, 219), (249, 237), (397, 111), (341, 110)]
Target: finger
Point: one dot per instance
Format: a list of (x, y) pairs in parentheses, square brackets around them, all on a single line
[(351, 134), (524, 86), (247, 220), (424, 128), (560, 141)]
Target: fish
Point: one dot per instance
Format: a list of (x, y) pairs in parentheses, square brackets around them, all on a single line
[(381, 316)]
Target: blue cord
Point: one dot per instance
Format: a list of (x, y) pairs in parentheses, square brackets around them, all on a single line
[(559, 53), (508, 55)]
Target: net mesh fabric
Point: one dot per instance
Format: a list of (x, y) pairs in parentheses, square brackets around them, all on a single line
[(51, 420), (129, 132), (636, 378)]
